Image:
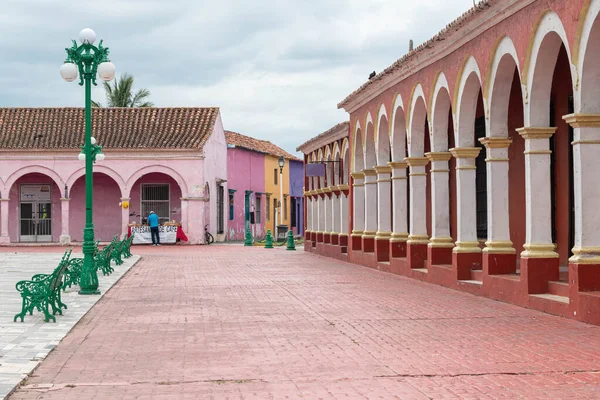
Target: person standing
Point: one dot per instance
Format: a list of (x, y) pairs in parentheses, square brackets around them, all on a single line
[(153, 221)]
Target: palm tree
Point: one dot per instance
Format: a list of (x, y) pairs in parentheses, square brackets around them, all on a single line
[(120, 94)]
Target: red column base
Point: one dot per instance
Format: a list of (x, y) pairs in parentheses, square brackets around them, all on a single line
[(307, 235), (537, 272), (584, 277), (335, 239), (584, 285), (382, 249), (416, 253), (326, 238), (463, 263), (320, 237), (439, 255), (343, 240), (368, 245), (397, 249), (499, 264), (356, 243)]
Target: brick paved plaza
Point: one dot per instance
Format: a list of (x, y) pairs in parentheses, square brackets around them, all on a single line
[(233, 322)]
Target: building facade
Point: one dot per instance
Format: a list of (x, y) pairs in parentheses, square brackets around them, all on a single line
[(474, 158), (168, 160), (254, 187)]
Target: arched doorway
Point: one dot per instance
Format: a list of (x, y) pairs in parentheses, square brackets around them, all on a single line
[(156, 192)]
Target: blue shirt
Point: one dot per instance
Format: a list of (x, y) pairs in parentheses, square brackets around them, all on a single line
[(153, 220)]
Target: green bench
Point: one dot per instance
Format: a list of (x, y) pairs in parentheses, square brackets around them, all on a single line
[(42, 292)]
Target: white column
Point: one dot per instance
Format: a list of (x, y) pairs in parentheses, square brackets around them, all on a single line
[(309, 211), (418, 200), (4, 236), (586, 165), (344, 213), (125, 216), (466, 200), (538, 203), (440, 199), (370, 203), (384, 200), (327, 210), (335, 210), (498, 216), (399, 188), (65, 238), (358, 204), (321, 207), (312, 212)]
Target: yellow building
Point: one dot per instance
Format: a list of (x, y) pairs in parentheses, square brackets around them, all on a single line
[(273, 182)]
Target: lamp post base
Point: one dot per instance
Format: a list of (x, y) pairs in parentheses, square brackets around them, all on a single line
[(89, 291)]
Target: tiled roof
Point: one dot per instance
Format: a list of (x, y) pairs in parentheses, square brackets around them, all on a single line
[(126, 128), (341, 125), (261, 146), (453, 26)]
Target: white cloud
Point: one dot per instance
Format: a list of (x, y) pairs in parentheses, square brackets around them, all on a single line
[(277, 69)]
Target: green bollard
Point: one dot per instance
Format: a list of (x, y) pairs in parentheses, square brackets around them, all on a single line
[(290, 241), (269, 240), (249, 240)]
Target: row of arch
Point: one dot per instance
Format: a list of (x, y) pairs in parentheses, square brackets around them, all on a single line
[(336, 158)]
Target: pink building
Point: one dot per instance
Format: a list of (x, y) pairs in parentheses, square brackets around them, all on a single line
[(169, 160)]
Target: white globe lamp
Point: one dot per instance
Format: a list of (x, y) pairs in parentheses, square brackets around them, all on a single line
[(100, 157), (87, 36), (106, 71), (81, 156), (68, 71)]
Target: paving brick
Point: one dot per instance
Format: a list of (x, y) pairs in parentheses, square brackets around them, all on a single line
[(225, 321)]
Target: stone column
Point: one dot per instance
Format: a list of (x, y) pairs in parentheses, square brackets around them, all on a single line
[(370, 232), (499, 256), (125, 216), (384, 212), (335, 215), (466, 255), (539, 262), (585, 262), (321, 203), (416, 251), (400, 207), (439, 251), (327, 201), (65, 237), (343, 216), (358, 210), (4, 235)]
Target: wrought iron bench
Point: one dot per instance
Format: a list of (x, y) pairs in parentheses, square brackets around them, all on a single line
[(103, 258), (127, 246), (117, 250), (73, 271), (42, 292)]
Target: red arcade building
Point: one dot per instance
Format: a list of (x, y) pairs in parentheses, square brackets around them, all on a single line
[(473, 161)]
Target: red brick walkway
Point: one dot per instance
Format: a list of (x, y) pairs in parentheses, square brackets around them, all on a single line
[(228, 322)]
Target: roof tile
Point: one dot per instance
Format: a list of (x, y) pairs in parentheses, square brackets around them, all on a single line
[(261, 146)]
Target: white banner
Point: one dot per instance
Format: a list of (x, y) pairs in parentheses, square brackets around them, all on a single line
[(142, 234), (35, 193)]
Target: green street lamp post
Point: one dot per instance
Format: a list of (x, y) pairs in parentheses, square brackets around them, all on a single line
[(87, 60)]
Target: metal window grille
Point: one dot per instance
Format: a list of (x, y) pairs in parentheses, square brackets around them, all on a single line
[(157, 198), (220, 208), (257, 210), (268, 208)]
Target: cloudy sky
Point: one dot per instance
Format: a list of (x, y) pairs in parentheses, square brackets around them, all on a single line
[(276, 68)]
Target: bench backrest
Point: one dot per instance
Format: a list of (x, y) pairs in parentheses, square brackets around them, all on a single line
[(57, 275)]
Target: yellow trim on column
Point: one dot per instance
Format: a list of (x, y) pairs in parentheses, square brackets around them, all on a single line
[(538, 251), (416, 161), (383, 235), (442, 242), (356, 233), (399, 237), (499, 247), (497, 160), (418, 239), (326, 190), (465, 152), (585, 255), (369, 172), (383, 169), (538, 152), (583, 120), (532, 132), (439, 156), (467, 247), (369, 235), (357, 175), (343, 187), (398, 164), (496, 142)]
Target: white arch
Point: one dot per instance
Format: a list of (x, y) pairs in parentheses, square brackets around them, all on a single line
[(358, 162), (398, 132), (34, 169), (549, 36), (336, 165), (369, 143), (440, 108), (500, 84), (382, 137), (328, 170), (156, 169), (468, 94), (418, 116), (100, 169), (588, 63), (345, 160)]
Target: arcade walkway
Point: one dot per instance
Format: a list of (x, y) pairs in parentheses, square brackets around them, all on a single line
[(228, 322)]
